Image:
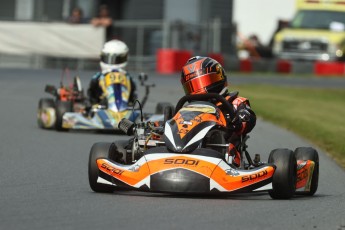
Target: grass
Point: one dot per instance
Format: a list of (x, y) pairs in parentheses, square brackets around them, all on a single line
[(316, 114)]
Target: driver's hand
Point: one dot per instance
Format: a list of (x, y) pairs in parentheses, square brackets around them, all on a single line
[(243, 115)]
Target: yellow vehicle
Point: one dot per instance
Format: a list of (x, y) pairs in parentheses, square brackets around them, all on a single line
[(317, 32)]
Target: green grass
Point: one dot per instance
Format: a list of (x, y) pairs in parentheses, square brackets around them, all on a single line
[(316, 114)]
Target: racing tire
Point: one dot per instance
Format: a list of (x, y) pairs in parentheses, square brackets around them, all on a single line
[(44, 103), (168, 113), (308, 153), (98, 150), (160, 107), (61, 108), (118, 152), (285, 175)]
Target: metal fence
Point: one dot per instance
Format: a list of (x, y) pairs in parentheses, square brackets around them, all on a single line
[(144, 38)]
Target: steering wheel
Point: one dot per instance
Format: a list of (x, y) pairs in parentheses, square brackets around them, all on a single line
[(206, 97)]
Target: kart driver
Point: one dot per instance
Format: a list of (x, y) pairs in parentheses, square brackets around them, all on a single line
[(113, 58), (201, 75)]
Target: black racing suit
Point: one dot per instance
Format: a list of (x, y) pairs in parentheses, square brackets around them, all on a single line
[(243, 123)]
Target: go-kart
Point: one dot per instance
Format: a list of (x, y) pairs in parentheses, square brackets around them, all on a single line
[(187, 154), (72, 110)]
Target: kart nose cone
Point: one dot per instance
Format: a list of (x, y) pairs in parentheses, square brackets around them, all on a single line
[(180, 181)]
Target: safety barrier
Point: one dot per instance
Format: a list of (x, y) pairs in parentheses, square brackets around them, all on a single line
[(171, 60), (288, 66)]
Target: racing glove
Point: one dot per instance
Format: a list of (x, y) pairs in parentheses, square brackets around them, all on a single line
[(243, 115)]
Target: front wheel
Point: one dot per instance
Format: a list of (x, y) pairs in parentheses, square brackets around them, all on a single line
[(61, 108), (98, 150), (284, 177), (308, 153), (118, 152), (161, 107), (46, 113)]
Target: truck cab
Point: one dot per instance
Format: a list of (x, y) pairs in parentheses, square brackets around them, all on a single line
[(317, 32)]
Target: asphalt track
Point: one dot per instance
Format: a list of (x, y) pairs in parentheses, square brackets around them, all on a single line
[(44, 182)]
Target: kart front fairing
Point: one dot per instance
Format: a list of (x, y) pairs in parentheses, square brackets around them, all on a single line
[(188, 128), (184, 173), (116, 87)]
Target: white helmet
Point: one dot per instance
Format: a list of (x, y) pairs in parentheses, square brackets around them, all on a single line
[(114, 55)]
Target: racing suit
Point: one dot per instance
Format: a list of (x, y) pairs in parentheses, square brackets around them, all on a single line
[(243, 123), (95, 91)]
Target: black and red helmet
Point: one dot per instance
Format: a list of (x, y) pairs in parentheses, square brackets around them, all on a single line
[(203, 75)]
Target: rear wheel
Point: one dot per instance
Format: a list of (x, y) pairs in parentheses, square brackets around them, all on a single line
[(118, 152), (284, 177), (160, 107), (61, 108), (98, 150), (308, 153), (46, 113), (168, 113)]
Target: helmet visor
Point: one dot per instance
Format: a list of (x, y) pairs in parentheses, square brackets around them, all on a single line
[(199, 84), (112, 58)]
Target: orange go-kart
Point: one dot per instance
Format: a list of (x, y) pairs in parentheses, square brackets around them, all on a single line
[(187, 154)]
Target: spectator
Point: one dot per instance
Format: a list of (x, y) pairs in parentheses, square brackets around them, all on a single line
[(76, 16), (256, 49), (104, 19)]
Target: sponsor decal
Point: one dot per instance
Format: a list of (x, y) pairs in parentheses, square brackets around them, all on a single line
[(186, 122), (112, 169), (182, 131), (134, 168), (180, 161), (254, 176), (302, 174), (301, 165), (232, 172), (191, 68)]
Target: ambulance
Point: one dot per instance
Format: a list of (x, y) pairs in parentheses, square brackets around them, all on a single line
[(317, 32)]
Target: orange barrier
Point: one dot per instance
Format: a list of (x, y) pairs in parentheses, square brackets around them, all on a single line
[(246, 65), (283, 66), (218, 57), (329, 68), (171, 60)]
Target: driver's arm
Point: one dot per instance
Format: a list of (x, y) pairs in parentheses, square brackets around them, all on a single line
[(245, 118), (94, 92)]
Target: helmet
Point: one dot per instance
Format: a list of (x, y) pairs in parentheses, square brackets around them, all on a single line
[(203, 75), (114, 55)]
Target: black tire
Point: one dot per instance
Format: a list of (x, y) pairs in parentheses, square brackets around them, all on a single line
[(118, 152), (308, 153), (98, 150), (61, 108), (44, 103), (168, 113), (160, 107), (284, 178)]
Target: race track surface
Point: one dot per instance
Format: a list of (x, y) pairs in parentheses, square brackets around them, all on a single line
[(44, 181)]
